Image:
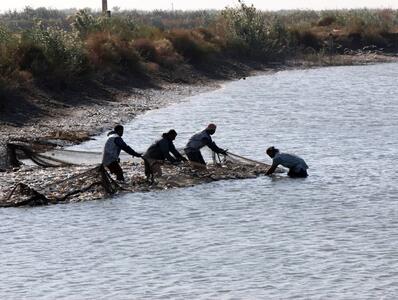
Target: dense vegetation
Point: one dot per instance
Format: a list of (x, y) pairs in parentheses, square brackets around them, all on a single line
[(57, 49)]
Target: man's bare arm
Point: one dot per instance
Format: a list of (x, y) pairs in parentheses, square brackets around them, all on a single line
[(272, 169)]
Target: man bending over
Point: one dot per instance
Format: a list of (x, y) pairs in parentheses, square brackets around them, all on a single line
[(198, 141), (296, 165)]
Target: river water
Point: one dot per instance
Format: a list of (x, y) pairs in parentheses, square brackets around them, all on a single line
[(333, 235)]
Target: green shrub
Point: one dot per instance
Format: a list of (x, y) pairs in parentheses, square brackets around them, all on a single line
[(250, 32), (8, 47), (84, 23), (11, 78), (52, 54)]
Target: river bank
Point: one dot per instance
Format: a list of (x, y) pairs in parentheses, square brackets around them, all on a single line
[(41, 115), (64, 126)]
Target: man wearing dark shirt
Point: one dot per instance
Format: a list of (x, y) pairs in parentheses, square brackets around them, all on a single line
[(198, 141), (112, 149), (296, 165), (159, 152)]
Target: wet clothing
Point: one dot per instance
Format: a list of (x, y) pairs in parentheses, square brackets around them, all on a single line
[(110, 157), (158, 152), (300, 174), (197, 142), (196, 157), (153, 168), (116, 169), (296, 165)]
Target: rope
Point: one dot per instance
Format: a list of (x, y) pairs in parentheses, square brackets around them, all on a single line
[(248, 159)]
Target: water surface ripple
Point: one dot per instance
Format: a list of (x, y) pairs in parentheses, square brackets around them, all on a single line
[(331, 236)]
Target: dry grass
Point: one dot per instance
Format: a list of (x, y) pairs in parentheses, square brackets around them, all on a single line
[(61, 47), (110, 53)]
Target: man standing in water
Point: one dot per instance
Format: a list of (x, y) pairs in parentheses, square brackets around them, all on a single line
[(160, 151), (112, 148), (296, 165), (198, 141)]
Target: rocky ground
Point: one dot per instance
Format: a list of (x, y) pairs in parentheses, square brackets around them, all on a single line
[(77, 123)]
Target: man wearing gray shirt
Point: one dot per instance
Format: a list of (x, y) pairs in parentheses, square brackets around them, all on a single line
[(296, 165)]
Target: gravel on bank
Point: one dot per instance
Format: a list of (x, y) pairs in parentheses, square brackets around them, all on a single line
[(78, 123)]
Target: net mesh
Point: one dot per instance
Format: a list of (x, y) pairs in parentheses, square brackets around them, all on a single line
[(93, 183), (55, 157)]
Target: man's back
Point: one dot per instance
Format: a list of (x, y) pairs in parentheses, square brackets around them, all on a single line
[(158, 150), (198, 141), (111, 150), (290, 161)]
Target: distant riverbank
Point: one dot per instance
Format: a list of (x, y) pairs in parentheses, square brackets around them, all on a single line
[(53, 60)]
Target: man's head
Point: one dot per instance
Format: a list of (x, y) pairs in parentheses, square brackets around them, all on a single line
[(272, 151), (211, 128), (170, 135), (119, 129)]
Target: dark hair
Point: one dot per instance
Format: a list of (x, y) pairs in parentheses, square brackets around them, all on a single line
[(271, 151), (118, 128), (170, 133)]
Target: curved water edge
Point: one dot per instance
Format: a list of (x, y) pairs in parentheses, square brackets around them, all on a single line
[(332, 235)]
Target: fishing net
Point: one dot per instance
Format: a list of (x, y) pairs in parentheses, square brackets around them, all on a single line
[(72, 176), (232, 158), (93, 183), (35, 154)]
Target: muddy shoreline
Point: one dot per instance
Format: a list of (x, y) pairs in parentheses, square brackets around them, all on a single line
[(78, 123)]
